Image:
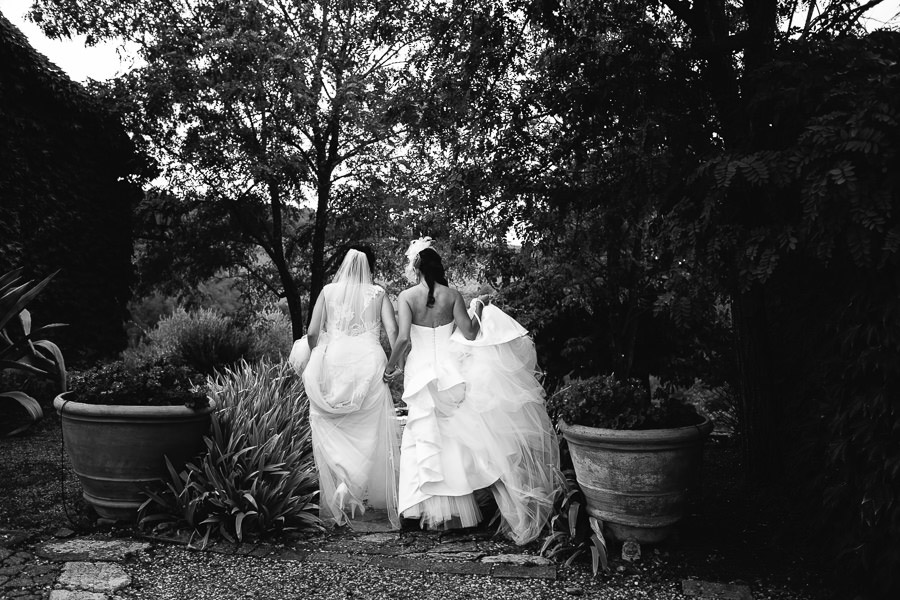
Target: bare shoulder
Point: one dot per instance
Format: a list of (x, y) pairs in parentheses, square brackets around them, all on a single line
[(407, 295)]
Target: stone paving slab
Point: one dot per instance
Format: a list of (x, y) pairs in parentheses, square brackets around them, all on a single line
[(464, 555), (719, 591), (517, 559), (520, 572), (372, 521), (334, 557), (298, 555), (379, 538), (76, 595), (254, 550), (453, 568), (94, 577), (87, 549), (451, 547), (372, 550)]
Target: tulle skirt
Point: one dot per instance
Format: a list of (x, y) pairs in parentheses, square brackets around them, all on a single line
[(492, 432), (355, 434), (521, 443)]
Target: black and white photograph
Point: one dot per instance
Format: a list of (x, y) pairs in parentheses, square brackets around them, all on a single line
[(449, 299)]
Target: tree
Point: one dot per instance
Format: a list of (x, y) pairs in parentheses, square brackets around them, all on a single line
[(735, 45), (259, 105)]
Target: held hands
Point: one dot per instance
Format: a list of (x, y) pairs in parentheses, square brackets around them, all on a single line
[(389, 376)]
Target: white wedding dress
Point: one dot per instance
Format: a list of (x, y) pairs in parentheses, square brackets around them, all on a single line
[(355, 435), (477, 420)]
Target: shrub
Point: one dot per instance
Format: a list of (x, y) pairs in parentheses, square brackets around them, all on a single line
[(203, 339), (608, 402), (272, 335), (159, 382), (146, 313), (856, 424), (258, 475)]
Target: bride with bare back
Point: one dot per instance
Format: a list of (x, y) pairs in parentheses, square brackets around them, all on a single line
[(476, 416)]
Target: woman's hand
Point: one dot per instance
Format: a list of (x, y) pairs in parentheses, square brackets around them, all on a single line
[(479, 302), (390, 375)]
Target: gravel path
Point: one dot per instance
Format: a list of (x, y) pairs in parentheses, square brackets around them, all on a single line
[(734, 537)]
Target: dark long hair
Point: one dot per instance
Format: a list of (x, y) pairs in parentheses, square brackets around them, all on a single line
[(432, 270)]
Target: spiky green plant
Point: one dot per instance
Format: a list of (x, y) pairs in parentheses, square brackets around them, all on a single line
[(23, 348), (573, 531), (257, 475)]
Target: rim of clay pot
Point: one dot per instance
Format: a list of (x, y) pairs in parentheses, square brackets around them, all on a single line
[(73, 407), (590, 435)]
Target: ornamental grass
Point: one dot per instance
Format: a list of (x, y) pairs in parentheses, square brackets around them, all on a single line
[(257, 476)]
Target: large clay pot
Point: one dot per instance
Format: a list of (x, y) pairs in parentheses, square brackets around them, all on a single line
[(637, 482), (117, 451)]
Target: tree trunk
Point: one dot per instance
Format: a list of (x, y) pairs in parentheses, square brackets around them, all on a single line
[(321, 226), (758, 404), (759, 410), (295, 306)]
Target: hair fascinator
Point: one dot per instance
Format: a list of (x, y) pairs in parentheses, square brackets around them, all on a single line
[(412, 252)]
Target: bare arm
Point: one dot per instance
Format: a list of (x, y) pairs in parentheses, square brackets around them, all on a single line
[(398, 354), (315, 323), (388, 321), (469, 326)]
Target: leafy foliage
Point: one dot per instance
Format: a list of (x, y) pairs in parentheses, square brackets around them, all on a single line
[(573, 531), (612, 403), (261, 108), (159, 382), (209, 341), (67, 184), (24, 349), (856, 455), (258, 474), (203, 339), (822, 247), (271, 334)]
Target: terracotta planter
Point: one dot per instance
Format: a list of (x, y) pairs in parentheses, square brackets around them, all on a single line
[(637, 482), (117, 451)]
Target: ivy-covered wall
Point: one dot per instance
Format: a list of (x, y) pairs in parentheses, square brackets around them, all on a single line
[(65, 198)]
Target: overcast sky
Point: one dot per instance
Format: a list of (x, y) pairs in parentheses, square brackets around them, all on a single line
[(72, 56), (102, 62)]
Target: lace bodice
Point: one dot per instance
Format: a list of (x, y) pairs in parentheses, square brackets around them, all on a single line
[(354, 316)]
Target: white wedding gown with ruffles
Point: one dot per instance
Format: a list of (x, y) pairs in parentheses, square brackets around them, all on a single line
[(355, 435), (477, 420)]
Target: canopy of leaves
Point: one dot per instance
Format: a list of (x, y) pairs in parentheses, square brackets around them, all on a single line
[(66, 196)]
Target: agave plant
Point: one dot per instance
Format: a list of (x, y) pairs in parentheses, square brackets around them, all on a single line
[(25, 349)]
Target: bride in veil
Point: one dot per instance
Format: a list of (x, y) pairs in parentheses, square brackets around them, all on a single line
[(355, 435)]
